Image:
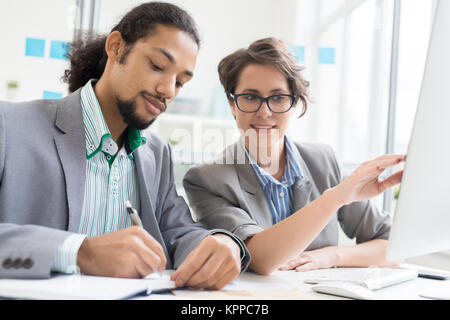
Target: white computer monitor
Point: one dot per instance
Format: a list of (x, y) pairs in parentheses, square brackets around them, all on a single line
[(421, 222)]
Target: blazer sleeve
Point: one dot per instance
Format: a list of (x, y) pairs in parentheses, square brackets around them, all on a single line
[(215, 202), (181, 234), (26, 251), (2, 145)]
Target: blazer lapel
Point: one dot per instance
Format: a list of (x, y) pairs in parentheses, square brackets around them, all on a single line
[(71, 148), (145, 166), (303, 187), (259, 209), (301, 190)]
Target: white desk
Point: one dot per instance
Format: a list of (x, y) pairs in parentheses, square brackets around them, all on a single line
[(285, 280), (280, 285), (408, 290)]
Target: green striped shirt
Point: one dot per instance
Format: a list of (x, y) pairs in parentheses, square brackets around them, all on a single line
[(110, 180)]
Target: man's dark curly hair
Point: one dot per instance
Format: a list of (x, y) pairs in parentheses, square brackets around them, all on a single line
[(87, 53)]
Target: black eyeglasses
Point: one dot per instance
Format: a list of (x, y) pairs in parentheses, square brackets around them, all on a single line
[(278, 103)]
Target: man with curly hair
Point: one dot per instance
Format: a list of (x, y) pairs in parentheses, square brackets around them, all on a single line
[(68, 166)]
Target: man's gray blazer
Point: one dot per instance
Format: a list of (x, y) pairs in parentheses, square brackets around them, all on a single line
[(42, 181), (226, 194)]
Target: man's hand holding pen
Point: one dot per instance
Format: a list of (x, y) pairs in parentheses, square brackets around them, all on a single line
[(134, 253), (127, 253)]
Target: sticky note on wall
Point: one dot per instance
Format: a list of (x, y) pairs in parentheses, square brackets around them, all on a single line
[(58, 49), (34, 47), (51, 95), (326, 55)]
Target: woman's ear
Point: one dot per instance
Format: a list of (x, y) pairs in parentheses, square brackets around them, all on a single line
[(232, 108)]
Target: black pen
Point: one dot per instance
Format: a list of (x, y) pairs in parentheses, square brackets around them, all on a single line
[(136, 221), (133, 214)]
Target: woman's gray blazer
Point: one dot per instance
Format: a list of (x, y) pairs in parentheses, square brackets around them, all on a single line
[(226, 194)]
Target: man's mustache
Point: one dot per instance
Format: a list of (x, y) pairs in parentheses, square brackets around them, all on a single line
[(157, 97)]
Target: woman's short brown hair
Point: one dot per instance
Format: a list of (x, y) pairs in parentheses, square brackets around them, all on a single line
[(267, 51)]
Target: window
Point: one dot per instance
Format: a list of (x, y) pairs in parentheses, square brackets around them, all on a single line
[(350, 92)]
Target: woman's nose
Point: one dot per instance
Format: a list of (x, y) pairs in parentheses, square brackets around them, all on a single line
[(264, 110)]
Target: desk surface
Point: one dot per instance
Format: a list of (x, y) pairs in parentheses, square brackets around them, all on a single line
[(284, 281)]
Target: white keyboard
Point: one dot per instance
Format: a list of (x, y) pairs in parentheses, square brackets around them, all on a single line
[(370, 278)]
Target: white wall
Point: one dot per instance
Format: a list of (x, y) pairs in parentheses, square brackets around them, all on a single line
[(43, 19)]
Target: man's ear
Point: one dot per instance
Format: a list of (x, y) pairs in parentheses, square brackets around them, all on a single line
[(114, 46)]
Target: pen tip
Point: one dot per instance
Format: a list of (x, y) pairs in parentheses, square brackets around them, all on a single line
[(127, 203)]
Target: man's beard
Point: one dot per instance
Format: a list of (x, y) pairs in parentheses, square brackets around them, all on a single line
[(128, 112)]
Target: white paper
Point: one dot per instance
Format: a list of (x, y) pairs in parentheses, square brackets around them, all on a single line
[(76, 287)]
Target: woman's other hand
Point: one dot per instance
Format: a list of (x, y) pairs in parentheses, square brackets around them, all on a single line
[(315, 259)]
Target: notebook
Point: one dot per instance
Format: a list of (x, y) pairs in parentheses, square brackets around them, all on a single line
[(372, 278), (82, 287)]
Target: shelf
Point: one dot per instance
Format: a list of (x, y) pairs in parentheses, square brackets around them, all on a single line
[(195, 139)]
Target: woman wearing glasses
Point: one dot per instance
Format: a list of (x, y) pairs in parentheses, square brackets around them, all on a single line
[(285, 199)]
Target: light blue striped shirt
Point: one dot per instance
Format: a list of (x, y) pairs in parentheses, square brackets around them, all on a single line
[(110, 180), (279, 194)]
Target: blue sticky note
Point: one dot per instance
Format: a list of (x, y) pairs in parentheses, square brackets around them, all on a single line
[(298, 52), (58, 49), (34, 47), (51, 95), (326, 55)]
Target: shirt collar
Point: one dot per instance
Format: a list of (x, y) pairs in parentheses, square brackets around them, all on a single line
[(291, 172), (96, 129), (292, 165)]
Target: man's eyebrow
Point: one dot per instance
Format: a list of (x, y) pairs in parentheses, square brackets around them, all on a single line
[(168, 55), (172, 60)]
